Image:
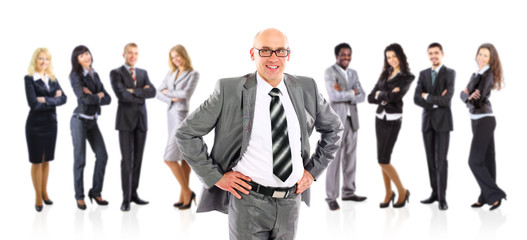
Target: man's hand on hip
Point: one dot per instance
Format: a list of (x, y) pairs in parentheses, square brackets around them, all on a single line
[(232, 181), (304, 183)]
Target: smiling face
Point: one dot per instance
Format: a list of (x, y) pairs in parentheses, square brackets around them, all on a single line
[(130, 55), (85, 60), (392, 59), (177, 60), (42, 62), (344, 58), (483, 57), (436, 56), (271, 68)]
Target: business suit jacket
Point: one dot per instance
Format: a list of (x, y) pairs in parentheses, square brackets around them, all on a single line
[(131, 110), (181, 88), (394, 101), (230, 111), (42, 113), (484, 82), (89, 104), (438, 119), (345, 100)]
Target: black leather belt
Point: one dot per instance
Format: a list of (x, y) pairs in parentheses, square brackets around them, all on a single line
[(273, 192)]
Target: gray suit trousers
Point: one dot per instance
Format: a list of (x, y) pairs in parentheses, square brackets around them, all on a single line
[(347, 156), (257, 216)]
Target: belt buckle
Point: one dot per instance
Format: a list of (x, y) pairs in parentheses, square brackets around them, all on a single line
[(280, 194)]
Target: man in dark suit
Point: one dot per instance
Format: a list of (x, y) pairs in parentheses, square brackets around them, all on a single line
[(261, 190), (434, 93), (131, 86)]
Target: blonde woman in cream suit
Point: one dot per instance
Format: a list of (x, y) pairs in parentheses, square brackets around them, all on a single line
[(176, 90)]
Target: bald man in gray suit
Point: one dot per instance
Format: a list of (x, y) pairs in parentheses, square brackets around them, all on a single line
[(345, 91), (240, 175)]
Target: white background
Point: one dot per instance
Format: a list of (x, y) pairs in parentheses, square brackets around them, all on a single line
[(218, 36)]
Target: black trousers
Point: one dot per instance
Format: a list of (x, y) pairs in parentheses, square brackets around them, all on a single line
[(482, 160), (436, 148), (132, 145), (387, 133)]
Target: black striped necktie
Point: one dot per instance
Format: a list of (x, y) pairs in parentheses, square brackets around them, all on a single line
[(282, 165)]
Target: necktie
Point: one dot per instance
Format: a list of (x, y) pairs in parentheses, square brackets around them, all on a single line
[(282, 165), (132, 71), (434, 75)]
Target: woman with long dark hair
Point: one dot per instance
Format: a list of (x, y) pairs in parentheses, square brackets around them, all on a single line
[(388, 93), (90, 97), (176, 90), (43, 94), (482, 158)]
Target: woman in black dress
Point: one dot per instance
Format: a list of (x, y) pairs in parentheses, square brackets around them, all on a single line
[(388, 93), (43, 94)]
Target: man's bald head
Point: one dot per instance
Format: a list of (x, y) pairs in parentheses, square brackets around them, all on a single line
[(270, 33)]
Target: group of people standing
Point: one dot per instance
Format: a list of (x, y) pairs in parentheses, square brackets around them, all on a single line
[(262, 121), (433, 93), (132, 87)]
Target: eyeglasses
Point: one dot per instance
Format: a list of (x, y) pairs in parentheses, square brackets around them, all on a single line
[(269, 52)]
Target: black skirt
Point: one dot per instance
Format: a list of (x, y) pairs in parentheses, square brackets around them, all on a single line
[(41, 138), (387, 132)]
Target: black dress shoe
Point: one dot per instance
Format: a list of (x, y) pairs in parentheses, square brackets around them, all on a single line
[(178, 204), (333, 205), (38, 208), (386, 204), (443, 205), (139, 201), (47, 202), (429, 200), (405, 200), (125, 207), (355, 198)]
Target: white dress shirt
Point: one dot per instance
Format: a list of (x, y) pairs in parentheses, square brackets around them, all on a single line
[(257, 161)]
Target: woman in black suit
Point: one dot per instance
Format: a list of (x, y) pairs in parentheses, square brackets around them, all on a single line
[(90, 97), (388, 93), (482, 159), (43, 94)]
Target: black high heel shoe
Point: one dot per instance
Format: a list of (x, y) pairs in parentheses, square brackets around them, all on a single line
[(187, 206), (100, 203), (476, 205), (178, 204), (406, 199), (386, 204), (496, 205), (47, 202), (38, 208), (81, 206)]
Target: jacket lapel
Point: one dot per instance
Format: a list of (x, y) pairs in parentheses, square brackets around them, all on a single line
[(128, 78), (248, 103), (341, 78), (296, 95)]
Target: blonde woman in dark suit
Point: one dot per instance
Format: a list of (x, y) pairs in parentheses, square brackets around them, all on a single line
[(43, 94), (176, 90)]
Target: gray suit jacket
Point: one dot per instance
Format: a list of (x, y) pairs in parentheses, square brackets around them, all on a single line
[(230, 111), (342, 101), (182, 88)]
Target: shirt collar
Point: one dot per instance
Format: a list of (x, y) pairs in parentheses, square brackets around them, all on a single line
[(36, 77), (85, 72), (264, 86), (438, 68), (128, 67), (483, 70)]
